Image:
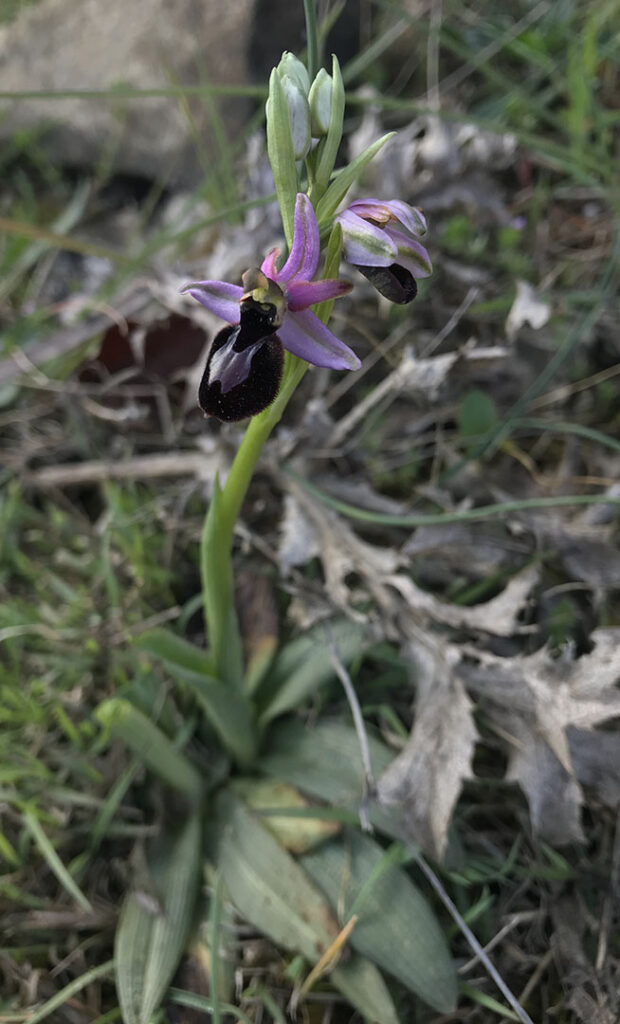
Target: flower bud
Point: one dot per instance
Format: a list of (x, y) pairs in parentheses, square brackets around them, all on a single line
[(299, 116), (320, 100), (292, 67)]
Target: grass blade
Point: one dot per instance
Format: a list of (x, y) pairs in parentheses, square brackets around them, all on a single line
[(54, 862), (70, 990), (149, 942)]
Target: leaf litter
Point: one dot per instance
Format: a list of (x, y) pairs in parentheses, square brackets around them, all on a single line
[(548, 707)]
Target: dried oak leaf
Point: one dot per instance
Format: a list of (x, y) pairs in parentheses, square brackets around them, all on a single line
[(425, 780), (310, 528), (549, 706), (499, 616)]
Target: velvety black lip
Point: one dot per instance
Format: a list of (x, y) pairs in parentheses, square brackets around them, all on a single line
[(394, 282), (259, 387)]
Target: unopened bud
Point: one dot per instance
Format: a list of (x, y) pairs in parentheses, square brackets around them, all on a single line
[(299, 115), (292, 67), (320, 100)]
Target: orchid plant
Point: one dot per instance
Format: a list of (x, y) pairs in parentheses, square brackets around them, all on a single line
[(276, 326), (271, 312)]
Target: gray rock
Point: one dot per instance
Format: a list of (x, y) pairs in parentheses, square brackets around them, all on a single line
[(57, 45)]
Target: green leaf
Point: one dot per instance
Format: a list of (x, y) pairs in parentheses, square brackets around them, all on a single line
[(305, 664), (362, 984), (54, 862), (225, 707), (275, 894), (268, 887), (328, 147), (396, 929), (281, 153), (178, 654), (341, 184), (332, 264), (294, 833), (149, 744), (324, 761), (477, 415), (150, 940), (230, 715)]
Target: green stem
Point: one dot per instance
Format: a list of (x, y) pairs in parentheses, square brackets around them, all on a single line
[(312, 39), (218, 532), (252, 445)]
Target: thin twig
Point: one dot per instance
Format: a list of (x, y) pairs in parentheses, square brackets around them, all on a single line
[(144, 467), (450, 324), (360, 728), (515, 921), (467, 932)]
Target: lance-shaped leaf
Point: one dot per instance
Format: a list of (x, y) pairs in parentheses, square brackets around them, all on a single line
[(175, 651), (154, 926), (396, 929), (225, 707), (306, 663), (324, 761), (328, 146), (147, 741), (341, 184), (275, 894)]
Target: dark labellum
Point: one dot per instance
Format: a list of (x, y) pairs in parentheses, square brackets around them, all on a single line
[(244, 366), (395, 283)]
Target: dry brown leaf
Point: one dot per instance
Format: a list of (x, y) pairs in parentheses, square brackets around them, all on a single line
[(342, 552), (411, 375), (553, 794), (498, 616), (299, 539), (548, 705), (425, 780), (595, 756), (479, 549)]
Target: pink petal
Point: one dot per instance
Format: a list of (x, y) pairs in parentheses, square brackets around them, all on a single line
[(301, 294), (218, 297), (304, 257), (269, 266), (409, 217), (364, 244), (305, 336)]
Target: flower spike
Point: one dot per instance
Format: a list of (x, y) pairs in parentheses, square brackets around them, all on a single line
[(270, 313)]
